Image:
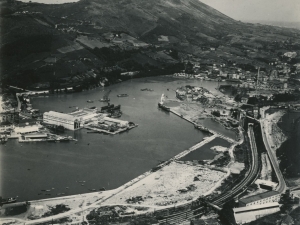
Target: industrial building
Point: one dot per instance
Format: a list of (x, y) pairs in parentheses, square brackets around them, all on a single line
[(266, 184), (263, 198), (120, 123), (71, 121), (253, 212), (35, 136)]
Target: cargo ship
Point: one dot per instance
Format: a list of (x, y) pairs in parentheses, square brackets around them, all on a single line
[(122, 95), (8, 201), (161, 104)]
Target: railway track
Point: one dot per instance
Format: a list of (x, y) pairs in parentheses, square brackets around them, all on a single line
[(250, 176)]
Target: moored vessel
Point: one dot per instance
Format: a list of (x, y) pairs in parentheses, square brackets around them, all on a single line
[(122, 95)]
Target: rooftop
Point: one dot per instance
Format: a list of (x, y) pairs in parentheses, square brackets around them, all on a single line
[(256, 207), (259, 197), (60, 115)]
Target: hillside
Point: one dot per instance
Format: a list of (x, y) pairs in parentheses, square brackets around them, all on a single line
[(38, 41)]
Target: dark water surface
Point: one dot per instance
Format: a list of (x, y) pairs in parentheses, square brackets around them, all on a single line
[(100, 160), (204, 152)]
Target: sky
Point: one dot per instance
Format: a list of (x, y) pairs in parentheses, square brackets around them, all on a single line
[(258, 10)]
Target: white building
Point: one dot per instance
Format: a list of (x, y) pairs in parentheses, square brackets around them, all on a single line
[(71, 121), (26, 129), (250, 213), (266, 184), (120, 123), (266, 197)]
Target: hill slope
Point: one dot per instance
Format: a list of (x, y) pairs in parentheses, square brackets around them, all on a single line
[(130, 34)]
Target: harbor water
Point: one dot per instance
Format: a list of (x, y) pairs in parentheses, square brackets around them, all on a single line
[(100, 160)]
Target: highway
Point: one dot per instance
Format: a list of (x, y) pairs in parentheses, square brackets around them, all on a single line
[(272, 156)]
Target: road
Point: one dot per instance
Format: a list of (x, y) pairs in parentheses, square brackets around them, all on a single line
[(272, 156)]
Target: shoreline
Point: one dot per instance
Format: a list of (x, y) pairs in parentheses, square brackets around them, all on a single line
[(103, 196)]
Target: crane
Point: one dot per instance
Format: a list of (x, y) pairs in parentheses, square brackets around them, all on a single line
[(105, 97)]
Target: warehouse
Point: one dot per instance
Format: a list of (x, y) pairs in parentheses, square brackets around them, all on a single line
[(250, 213), (266, 197), (69, 122)]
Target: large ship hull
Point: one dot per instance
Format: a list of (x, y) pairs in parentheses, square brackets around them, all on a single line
[(163, 107)]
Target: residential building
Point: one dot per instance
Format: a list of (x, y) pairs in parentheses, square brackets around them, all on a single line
[(9, 117)]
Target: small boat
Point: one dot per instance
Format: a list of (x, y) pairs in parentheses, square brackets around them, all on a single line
[(122, 95), (90, 101), (146, 89), (8, 201), (104, 100), (67, 187), (48, 190)]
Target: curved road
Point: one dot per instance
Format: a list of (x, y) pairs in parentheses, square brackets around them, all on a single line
[(272, 155)]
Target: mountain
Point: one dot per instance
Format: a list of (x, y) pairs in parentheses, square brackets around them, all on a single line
[(39, 40)]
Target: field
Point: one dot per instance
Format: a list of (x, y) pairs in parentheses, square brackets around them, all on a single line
[(176, 183), (70, 48), (92, 42)]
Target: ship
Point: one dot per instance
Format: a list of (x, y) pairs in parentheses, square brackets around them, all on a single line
[(104, 100), (146, 89), (8, 201), (202, 128), (56, 128), (161, 104), (233, 80), (116, 114), (3, 139), (122, 95)]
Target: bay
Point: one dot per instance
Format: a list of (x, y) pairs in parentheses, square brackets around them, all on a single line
[(100, 160)]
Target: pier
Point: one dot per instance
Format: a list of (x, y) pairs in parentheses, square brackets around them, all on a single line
[(211, 131)]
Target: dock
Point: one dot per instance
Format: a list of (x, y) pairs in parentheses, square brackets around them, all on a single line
[(209, 130), (99, 130)]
